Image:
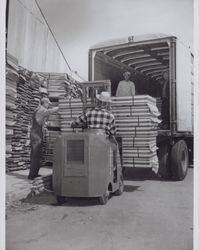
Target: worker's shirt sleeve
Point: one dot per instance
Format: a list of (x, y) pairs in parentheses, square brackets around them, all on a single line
[(118, 89), (133, 89), (82, 119), (42, 115), (111, 127)]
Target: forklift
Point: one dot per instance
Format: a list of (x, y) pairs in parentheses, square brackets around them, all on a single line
[(87, 164)]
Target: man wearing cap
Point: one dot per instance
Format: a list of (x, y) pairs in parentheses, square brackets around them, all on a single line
[(126, 87), (99, 117), (40, 115)]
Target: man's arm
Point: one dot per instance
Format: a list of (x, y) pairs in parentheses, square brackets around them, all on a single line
[(53, 110), (133, 89), (118, 89), (112, 128), (43, 114), (79, 120)]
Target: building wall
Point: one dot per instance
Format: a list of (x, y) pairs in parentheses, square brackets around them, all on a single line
[(30, 41)]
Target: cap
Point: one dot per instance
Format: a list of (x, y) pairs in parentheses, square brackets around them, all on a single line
[(45, 99), (104, 97)]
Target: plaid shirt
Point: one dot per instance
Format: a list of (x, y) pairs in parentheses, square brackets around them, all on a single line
[(98, 118)]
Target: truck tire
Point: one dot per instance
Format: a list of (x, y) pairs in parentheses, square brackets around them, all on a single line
[(179, 160), (164, 161)]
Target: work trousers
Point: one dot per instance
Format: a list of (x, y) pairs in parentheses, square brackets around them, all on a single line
[(35, 161)]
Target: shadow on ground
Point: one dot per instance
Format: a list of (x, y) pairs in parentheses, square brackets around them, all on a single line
[(49, 199), (140, 174)]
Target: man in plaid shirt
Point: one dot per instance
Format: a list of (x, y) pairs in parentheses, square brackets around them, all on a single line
[(99, 117)]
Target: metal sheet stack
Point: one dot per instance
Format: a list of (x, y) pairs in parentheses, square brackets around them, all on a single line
[(137, 123), (11, 95)]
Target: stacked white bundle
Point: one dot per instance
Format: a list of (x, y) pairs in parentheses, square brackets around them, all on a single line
[(137, 123)]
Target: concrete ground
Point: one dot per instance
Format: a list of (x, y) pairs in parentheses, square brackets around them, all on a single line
[(150, 215)]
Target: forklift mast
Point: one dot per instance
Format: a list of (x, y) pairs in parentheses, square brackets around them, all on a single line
[(91, 89)]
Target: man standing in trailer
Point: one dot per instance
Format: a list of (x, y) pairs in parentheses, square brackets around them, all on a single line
[(126, 87), (40, 115)]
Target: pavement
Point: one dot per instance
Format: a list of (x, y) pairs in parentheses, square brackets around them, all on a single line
[(151, 214), (18, 186)]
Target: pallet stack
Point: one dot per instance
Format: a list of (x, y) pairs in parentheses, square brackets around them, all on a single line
[(137, 123), (11, 96)]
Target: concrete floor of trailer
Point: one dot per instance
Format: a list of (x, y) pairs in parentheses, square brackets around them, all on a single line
[(150, 215)]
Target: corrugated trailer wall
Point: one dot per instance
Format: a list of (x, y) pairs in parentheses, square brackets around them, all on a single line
[(30, 41)]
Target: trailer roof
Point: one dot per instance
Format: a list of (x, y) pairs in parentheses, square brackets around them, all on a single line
[(125, 40), (145, 54)]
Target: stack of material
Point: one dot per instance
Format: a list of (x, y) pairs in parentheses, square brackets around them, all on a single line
[(11, 96), (137, 123), (25, 104), (40, 184), (56, 84), (69, 109), (59, 85), (22, 100)]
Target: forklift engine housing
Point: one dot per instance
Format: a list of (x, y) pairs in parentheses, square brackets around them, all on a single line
[(84, 165)]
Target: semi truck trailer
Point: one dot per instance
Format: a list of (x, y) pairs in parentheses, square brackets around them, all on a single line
[(148, 57)]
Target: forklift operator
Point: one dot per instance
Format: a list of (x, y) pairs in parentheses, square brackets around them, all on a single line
[(99, 117)]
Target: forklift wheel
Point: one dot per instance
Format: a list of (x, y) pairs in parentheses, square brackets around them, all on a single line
[(60, 199), (104, 198), (121, 186)]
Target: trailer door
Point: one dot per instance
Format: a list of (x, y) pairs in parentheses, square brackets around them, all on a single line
[(183, 88)]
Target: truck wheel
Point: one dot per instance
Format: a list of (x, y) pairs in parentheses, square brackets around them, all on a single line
[(179, 160), (164, 160), (60, 199), (121, 186), (104, 198)]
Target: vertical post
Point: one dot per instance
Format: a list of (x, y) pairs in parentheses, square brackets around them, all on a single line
[(7, 19), (172, 78), (90, 65)]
